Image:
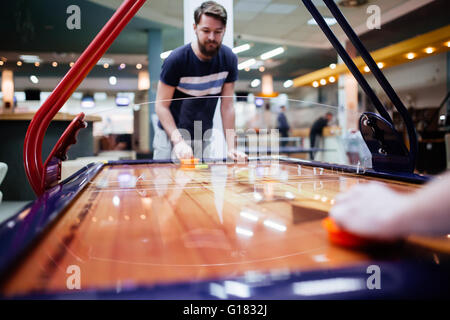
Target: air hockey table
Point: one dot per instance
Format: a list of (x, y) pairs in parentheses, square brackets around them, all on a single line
[(216, 230), (155, 230)]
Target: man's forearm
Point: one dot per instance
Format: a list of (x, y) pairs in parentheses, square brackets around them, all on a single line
[(168, 123), (228, 123)]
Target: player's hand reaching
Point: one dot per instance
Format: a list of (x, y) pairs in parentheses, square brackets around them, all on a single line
[(182, 150), (237, 155), (372, 210)]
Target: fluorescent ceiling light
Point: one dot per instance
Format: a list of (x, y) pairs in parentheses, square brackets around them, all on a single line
[(272, 53), (165, 54), (241, 48), (102, 61), (329, 21), (34, 79), (112, 81), (30, 58), (288, 83), (87, 102), (255, 83), (246, 64), (100, 96)]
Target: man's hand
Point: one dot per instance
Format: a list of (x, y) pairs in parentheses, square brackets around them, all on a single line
[(372, 210), (237, 155), (182, 150)]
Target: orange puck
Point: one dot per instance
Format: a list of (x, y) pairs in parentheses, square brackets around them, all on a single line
[(343, 238), (191, 161)]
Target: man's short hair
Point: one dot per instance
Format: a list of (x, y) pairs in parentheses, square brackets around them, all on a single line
[(212, 9)]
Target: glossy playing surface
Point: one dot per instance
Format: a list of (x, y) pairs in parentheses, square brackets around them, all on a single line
[(157, 223)]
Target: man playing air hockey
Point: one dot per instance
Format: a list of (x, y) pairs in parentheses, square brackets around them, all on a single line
[(201, 68)]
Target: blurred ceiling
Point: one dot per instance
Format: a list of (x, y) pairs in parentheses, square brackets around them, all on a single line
[(39, 27)]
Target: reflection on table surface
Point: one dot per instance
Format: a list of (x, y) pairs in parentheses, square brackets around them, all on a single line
[(159, 223)]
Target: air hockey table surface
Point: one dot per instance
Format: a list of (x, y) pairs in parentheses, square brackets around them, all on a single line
[(148, 229)]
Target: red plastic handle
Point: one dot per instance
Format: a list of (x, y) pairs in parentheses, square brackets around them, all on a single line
[(36, 131), (52, 166)]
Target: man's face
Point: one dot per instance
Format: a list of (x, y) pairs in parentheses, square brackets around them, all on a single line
[(209, 33)]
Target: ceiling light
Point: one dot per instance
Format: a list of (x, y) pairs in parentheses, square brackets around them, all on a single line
[(37, 64), (272, 53), (429, 50), (247, 69), (165, 54), (241, 48), (288, 83), (122, 66), (332, 79), (54, 64), (104, 60), (262, 69), (315, 84), (333, 66), (112, 81), (323, 82), (34, 79), (329, 21), (1, 63), (106, 66), (29, 58), (71, 64), (366, 69), (447, 44), (255, 83), (139, 66), (19, 63), (411, 55), (100, 96), (380, 65), (246, 64), (87, 102)]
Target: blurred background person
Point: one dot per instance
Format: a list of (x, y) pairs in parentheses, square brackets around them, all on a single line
[(317, 130), (283, 125)]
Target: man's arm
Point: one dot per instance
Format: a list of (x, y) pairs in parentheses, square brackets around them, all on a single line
[(228, 121), (164, 97)]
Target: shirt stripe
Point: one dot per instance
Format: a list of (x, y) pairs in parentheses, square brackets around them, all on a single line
[(202, 86), (205, 79), (198, 93)]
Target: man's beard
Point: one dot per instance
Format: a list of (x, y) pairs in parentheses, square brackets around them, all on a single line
[(206, 51)]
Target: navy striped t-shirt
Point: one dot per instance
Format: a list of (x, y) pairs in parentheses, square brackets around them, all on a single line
[(193, 77)]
